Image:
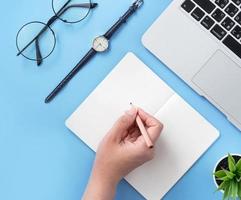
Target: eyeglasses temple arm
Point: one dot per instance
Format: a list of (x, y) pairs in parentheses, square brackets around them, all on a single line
[(85, 5), (38, 53), (82, 5)]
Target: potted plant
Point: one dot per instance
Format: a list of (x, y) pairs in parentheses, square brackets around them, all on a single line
[(227, 176)]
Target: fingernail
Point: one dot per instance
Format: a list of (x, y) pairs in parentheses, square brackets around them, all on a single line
[(131, 112)]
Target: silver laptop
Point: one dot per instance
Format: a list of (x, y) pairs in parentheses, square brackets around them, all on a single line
[(200, 40)]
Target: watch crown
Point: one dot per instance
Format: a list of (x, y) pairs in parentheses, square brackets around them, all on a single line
[(138, 3)]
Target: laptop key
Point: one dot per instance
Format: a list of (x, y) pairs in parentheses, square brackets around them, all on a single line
[(218, 32), (207, 22), (236, 32), (206, 5), (238, 18), (188, 5), (233, 45), (237, 2), (228, 23), (198, 14), (231, 9), (218, 15), (221, 3)]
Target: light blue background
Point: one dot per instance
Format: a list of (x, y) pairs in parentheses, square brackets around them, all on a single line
[(40, 158)]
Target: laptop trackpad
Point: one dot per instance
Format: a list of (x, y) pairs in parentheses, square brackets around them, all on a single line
[(220, 80)]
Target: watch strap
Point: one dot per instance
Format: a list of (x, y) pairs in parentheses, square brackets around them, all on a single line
[(123, 19), (73, 72)]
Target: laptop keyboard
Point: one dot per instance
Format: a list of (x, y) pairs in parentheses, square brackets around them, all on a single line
[(222, 18)]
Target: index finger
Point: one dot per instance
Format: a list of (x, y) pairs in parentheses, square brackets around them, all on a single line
[(153, 126), (149, 120)]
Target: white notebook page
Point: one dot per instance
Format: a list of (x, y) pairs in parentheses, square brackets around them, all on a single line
[(186, 136), (130, 81)]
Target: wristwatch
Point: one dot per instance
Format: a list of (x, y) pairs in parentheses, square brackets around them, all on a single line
[(100, 44)]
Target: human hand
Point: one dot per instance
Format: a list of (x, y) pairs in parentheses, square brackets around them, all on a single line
[(122, 150)]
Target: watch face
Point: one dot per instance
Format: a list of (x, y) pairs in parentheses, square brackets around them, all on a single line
[(100, 44)]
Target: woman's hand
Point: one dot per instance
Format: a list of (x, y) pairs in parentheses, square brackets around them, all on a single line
[(122, 150)]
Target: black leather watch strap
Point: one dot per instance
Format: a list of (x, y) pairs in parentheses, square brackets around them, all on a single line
[(123, 19), (71, 74)]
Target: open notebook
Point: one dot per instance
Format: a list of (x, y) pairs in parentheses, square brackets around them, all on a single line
[(186, 135)]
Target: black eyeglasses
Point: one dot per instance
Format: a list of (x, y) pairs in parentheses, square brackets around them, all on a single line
[(68, 11)]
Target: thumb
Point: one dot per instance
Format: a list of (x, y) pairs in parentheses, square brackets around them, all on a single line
[(122, 125), (153, 126)]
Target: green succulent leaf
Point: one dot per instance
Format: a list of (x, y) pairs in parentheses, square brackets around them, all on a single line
[(231, 163), (239, 173), (220, 174), (226, 192), (223, 185), (226, 178), (239, 189), (230, 190), (238, 179), (231, 157), (238, 165), (234, 191), (229, 174)]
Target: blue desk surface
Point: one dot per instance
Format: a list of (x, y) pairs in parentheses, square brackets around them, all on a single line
[(39, 157)]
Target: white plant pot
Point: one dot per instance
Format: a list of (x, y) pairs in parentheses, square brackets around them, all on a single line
[(214, 170)]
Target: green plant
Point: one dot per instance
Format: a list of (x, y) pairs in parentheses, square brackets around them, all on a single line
[(230, 179)]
